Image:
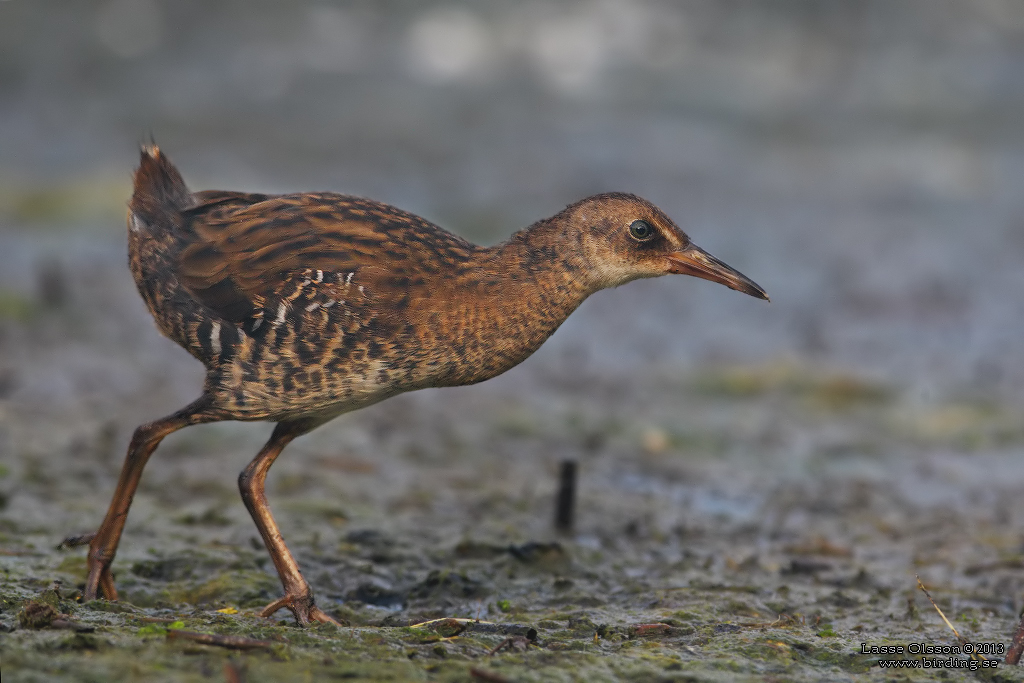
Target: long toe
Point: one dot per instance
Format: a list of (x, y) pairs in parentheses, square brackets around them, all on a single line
[(303, 607), (269, 610), (76, 540), (107, 589), (317, 614), (100, 583)]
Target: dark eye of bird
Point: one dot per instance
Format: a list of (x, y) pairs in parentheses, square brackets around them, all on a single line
[(641, 230)]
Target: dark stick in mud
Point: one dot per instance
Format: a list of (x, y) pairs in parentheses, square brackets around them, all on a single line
[(565, 507)]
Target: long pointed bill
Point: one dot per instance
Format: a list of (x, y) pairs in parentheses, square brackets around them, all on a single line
[(695, 261)]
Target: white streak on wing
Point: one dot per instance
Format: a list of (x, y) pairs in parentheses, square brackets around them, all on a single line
[(348, 278), (330, 302), (281, 310), (256, 325), (312, 307), (215, 338), (319, 276), (241, 335), (135, 223), (361, 290)]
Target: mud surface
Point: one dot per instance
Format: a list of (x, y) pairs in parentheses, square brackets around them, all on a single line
[(759, 484)]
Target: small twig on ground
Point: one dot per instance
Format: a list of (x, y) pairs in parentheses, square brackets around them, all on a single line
[(456, 619), (489, 676), (929, 596), (960, 639), (233, 642), (1017, 645)]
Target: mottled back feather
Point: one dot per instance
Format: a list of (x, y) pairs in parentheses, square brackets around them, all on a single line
[(247, 247)]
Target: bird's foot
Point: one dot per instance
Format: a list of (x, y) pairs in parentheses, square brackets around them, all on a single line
[(303, 607), (100, 583)]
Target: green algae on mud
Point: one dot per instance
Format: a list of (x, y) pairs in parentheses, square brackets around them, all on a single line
[(638, 632), (733, 523)]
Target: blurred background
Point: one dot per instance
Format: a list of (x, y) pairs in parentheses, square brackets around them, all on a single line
[(861, 160)]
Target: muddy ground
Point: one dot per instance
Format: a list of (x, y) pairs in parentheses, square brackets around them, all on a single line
[(760, 484)]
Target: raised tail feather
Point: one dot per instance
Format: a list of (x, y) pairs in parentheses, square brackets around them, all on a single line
[(160, 190)]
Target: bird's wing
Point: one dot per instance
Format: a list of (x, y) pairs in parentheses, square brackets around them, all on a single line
[(254, 256)]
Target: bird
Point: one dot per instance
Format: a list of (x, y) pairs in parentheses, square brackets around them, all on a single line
[(306, 306)]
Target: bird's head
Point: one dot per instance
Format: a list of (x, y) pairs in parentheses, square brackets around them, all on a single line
[(623, 238)]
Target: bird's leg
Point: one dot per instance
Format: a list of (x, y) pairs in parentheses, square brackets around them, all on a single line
[(103, 545), (298, 596)]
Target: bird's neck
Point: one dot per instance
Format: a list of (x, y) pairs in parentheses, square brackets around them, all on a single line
[(513, 298), (543, 252), (542, 272)]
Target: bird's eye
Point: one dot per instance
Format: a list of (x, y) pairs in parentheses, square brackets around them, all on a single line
[(641, 230)]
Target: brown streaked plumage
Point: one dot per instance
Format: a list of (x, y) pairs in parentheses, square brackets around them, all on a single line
[(306, 306)]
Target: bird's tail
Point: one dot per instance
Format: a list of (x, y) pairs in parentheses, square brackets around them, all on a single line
[(160, 190)]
